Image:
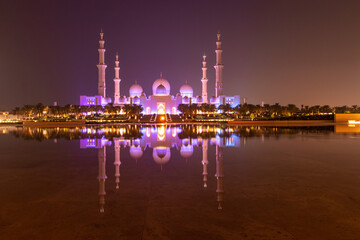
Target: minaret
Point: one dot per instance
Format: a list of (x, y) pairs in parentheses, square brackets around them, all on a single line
[(117, 81), (102, 177), (117, 162), (218, 68), (219, 176), (204, 81), (205, 161), (101, 67)]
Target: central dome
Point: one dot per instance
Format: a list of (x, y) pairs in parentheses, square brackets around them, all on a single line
[(164, 83), (161, 155)]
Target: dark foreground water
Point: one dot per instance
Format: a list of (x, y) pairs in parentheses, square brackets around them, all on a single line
[(180, 182)]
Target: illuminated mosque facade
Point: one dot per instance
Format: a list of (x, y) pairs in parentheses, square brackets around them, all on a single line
[(161, 101)]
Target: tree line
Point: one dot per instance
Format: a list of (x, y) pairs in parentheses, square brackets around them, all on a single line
[(249, 111), (39, 111), (252, 111)]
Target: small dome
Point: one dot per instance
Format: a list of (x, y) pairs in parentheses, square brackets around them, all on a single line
[(161, 155), (122, 99), (213, 99), (161, 90), (187, 151), (161, 81), (186, 90), (136, 100), (135, 90), (199, 99)]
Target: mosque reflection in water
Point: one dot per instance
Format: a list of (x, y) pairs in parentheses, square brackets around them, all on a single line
[(161, 139)]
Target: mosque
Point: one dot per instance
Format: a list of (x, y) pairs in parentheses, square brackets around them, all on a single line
[(161, 101)]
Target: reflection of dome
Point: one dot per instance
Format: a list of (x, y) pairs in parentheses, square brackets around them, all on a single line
[(186, 90), (186, 151), (160, 90), (161, 155), (185, 142), (161, 81), (135, 90), (136, 152)]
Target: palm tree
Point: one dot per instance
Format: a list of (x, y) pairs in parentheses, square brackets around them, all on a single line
[(84, 109), (184, 109), (193, 109), (39, 108), (92, 109), (325, 109), (204, 108), (108, 108), (354, 108), (132, 110), (54, 110), (75, 109), (292, 109), (137, 109), (117, 109), (98, 109), (225, 108), (212, 108), (16, 111), (276, 109)]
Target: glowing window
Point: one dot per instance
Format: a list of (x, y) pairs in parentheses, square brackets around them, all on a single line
[(161, 108)]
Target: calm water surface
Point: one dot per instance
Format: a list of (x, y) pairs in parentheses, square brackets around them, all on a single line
[(180, 182)]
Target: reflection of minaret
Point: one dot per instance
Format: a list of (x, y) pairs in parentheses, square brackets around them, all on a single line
[(205, 161), (117, 162), (117, 81), (204, 81), (101, 67), (102, 177), (219, 176), (218, 68)]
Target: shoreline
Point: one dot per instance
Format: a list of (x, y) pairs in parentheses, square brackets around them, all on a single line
[(229, 123)]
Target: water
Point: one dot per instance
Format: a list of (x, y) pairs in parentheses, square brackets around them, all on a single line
[(180, 182)]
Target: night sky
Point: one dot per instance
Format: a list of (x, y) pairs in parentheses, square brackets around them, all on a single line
[(301, 52)]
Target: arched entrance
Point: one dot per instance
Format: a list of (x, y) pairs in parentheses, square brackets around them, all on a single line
[(161, 108)]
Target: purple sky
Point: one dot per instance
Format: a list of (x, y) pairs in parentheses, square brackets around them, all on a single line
[(301, 52)]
